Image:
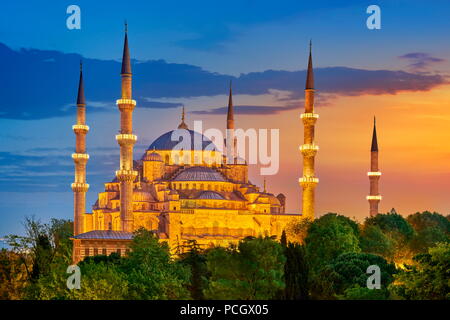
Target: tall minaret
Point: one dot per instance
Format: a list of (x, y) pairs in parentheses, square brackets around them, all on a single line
[(309, 149), (374, 174), (231, 147), (80, 157), (126, 139)]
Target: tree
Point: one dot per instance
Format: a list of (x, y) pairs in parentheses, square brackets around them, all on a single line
[(427, 278), (374, 241), (150, 271), (398, 231), (348, 272), (296, 231), (296, 273), (13, 276), (431, 228), (253, 270), (328, 237), (42, 252), (195, 259)]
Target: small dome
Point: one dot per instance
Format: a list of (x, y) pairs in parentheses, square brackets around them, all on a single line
[(153, 156)]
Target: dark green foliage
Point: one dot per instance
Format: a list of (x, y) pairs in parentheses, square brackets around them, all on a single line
[(428, 278), (349, 270), (150, 271), (195, 259), (328, 237), (373, 240), (296, 273), (398, 231), (363, 293), (328, 265), (431, 228), (253, 270)]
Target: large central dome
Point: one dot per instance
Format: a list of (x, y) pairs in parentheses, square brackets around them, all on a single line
[(165, 142)]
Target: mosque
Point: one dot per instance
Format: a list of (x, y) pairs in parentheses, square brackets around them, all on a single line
[(210, 200)]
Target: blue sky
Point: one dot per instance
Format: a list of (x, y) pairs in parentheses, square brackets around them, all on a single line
[(185, 54)]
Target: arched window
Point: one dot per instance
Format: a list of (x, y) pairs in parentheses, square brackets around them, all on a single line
[(167, 159)]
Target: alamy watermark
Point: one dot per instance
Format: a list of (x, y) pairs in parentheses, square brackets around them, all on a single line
[(74, 20)]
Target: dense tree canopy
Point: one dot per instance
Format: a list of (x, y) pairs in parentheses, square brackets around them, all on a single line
[(328, 237), (322, 259), (428, 278), (253, 270)]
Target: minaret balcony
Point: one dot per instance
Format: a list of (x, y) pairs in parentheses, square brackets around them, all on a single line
[(309, 150), (309, 147), (374, 173), (308, 180), (309, 115), (126, 138), (79, 187), (80, 156), (82, 128), (126, 175), (123, 103), (309, 118), (374, 198)]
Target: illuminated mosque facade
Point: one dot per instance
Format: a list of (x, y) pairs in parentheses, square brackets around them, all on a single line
[(210, 200)]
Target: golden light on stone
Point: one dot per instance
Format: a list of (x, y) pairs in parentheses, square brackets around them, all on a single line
[(80, 156), (373, 197), (372, 174), (80, 127), (308, 180), (309, 115), (126, 136), (181, 196), (126, 101), (309, 147)]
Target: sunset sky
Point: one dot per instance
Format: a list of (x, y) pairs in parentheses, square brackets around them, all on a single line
[(187, 52)]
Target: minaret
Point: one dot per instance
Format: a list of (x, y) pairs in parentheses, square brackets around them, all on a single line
[(374, 174), (126, 139), (80, 157), (231, 147), (309, 148)]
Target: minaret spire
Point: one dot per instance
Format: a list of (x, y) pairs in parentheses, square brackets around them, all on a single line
[(309, 148), (126, 174), (230, 113), (126, 63), (374, 174), (231, 140), (80, 158), (374, 137), (182, 125), (310, 72)]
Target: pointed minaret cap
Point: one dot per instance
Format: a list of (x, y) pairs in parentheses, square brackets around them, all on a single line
[(80, 98), (230, 113), (310, 72), (182, 125), (265, 190), (374, 137), (126, 64)]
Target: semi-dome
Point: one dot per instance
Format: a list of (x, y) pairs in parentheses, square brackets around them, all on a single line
[(165, 142), (199, 174)]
